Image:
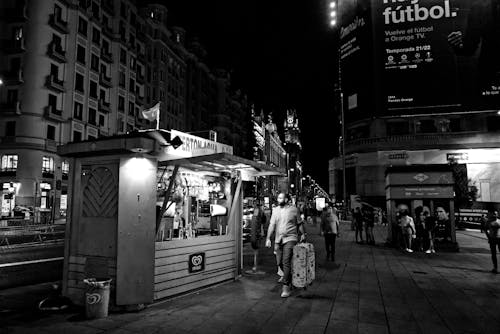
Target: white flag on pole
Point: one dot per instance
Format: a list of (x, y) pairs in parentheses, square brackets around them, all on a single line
[(153, 114)]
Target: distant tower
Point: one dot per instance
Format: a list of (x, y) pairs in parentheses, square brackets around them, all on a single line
[(293, 147), (292, 130)]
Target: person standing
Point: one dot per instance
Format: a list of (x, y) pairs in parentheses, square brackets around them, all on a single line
[(492, 233), (369, 225), (443, 224), (330, 230), (358, 224), (285, 224), (257, 224), (430, 227), (408, 229)]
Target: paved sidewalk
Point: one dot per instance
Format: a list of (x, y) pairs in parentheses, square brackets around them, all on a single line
[(371, 289)]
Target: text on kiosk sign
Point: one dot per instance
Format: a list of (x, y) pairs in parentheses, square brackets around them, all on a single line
[(194, 145)]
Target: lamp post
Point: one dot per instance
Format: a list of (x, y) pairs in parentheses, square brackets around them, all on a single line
[(333, 17)]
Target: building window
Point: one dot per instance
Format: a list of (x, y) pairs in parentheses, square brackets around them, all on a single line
[(123, 56), (455, 125), (92, 116), (53, 102), (131, 109), (493, 124), (9, 162), (47, 165), (79, 83), (121, 79), (82, 26), (80, 54), (10, 128), (65, 169), (78, 111), (77, 136), (51, 132), (398, 128), (121, 103), (131, 85), (132, 19), (132, 63), (101, 120), (93, 89), (426, 126), (105, 45), (94, 63), (96, 36)]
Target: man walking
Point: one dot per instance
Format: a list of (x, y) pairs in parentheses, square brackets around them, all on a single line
[(285, 223), (330, 230)]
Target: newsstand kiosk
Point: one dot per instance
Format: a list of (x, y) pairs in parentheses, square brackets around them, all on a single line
[(429, 186), (119, 186)]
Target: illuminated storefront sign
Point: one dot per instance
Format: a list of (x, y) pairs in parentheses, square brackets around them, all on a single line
[(195, 146)]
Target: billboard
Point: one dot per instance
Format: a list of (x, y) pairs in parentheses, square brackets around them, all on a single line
[(434, 55), (356, 55)]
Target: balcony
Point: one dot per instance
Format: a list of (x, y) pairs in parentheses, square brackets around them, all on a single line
[(139, 99), (13, 108), (140, 78), (52, 82), (13, 78), (451, 140), (52, 113), (104, 106), (108, 31), (13, 46), (106, 56), (15, 15), (58, 24), (104, 80), (56, 52)]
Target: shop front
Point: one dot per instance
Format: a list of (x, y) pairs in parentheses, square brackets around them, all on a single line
[(158, 224)]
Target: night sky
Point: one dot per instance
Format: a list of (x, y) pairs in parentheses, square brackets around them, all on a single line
[(282, 55)]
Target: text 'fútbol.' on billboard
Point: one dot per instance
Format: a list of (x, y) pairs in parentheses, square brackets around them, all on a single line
[(432, 55)]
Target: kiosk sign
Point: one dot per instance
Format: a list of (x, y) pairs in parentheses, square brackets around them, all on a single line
[(196, 262)]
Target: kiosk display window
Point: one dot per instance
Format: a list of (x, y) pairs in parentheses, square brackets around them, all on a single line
[(197, 205)]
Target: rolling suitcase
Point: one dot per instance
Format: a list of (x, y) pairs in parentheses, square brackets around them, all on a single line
[(303, 265)]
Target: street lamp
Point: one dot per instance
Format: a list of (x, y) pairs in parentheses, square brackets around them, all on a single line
[(333, 6), (333, 13)]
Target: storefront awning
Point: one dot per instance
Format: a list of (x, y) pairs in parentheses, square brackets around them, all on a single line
[(225, 162)]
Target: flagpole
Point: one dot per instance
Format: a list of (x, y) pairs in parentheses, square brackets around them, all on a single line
[(158, 117)]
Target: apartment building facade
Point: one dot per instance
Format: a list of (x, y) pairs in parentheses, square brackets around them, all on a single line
[(76, 70)]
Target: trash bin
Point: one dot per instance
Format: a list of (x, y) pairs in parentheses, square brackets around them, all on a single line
[(97, 297)]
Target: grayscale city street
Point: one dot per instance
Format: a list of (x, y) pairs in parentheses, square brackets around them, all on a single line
[(250, 166)]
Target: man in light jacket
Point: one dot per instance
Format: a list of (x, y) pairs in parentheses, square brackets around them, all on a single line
[(285, 224)]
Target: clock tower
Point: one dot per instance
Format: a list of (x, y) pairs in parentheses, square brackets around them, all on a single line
[(293, 148)]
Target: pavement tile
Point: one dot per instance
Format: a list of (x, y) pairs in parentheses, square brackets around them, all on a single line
[(372, 316), (369, 328), (344, 327), (343, 311)]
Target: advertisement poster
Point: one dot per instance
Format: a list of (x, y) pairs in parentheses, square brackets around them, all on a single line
[(439, 55), (427, 55), (356, 45)]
